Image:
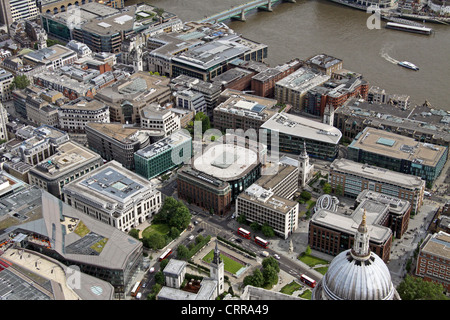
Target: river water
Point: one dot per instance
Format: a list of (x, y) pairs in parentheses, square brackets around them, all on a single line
[(309, 27)]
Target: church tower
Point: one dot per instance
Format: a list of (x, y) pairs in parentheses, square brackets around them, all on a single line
[(328, 115), (304, 168), (218, 270), (361, 250)]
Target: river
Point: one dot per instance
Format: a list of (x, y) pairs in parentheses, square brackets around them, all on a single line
[(309, 27)]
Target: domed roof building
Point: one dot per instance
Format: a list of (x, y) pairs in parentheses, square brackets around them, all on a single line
[(357, 274)]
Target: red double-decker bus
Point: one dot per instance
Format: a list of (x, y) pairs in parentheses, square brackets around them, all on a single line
[(166, 253), (263, 243), (307, 280), (244, 233)]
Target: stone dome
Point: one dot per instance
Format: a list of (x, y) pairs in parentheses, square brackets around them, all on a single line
[(348, 278), (357, 274)]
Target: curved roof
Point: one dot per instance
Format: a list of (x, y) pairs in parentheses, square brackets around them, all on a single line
[(348, 278)]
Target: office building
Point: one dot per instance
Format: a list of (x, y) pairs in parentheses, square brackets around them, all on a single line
[(114, 196), (293, 88), (116, 141), (433, 259), (210, 91), (209, 60), (129, 95), (399, 210), (6, 79), (263, 83), (243, 111), (162, 118), (191, 100), (16, 10), (334, 93), (398, 153), (70, 162), (163, 155), (322, 140), (51, 229), (232, 162), (52, 58), (324, 63), (354, 177), (204, 190), (74, 115), (423, 123), (269, 201)]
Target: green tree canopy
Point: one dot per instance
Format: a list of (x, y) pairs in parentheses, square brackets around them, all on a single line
[(154, 241), (271, 262), (415, 288), (182, 252), (267, 231), (20, 82), (305, 195), (134, 233)]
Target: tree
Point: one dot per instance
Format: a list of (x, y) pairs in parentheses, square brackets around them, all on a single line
[(305, 195), (308, 250), (154, 241), (267, 230), (415, 288), (159, 278), (271, 262), (270, 276), (327, 188), (182, 252), (134, 233), (20, 82), (255, 226), (173, 213), (241, 219)]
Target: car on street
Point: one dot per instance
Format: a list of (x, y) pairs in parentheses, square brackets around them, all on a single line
[(200, 230), (152, 269), (276, 256), (238, 240)]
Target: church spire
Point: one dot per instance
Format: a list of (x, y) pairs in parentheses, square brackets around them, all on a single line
[(217, 259), (361, 248)]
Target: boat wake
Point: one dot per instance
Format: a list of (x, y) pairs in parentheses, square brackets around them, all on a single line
[(387, 57)]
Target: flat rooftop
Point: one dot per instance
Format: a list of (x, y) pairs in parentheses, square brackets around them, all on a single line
[(70, 155), (298, 126), (226, 161), (397, 146), (212, 53), (406, 181), (438, 244), (112, 183), (139, 87), (168, 143), (302, 80), (349, 223), (266, 198), (247, 105)]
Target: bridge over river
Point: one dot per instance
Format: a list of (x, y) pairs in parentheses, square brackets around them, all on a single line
[(238, 12)]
